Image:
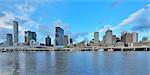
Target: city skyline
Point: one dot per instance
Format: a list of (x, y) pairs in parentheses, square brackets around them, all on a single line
[(74, 18), (61, 40), (74, 37)]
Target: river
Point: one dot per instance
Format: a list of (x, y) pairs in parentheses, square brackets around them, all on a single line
[(75, 63)]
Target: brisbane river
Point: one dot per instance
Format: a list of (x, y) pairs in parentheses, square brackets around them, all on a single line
[(75, 63)]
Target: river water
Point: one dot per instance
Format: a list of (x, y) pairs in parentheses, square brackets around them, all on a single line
[(75, 63)]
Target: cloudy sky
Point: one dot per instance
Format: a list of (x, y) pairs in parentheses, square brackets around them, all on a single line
[(79, 18)]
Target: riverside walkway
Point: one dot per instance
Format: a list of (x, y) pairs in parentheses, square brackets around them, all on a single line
[(90, 48)]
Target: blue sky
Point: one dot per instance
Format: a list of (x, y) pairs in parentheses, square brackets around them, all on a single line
[(79, 18)]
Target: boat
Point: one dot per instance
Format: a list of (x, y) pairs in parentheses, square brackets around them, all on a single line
[(100, 49)]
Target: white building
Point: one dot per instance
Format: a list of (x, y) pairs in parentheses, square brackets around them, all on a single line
[(135, 37), (108, 37), (96, 38)]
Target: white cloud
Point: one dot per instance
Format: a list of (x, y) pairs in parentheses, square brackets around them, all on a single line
[(6, 22), (22, 15), (106, 27), (133, 17), (22, 12), (25, 9)]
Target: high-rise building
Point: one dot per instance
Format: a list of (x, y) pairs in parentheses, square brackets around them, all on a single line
[(104, 38), (135, 37), (66, 40), (59, 37), (9, 39), (114, 38), (108, 37), (48, 41), (29, 36), (15, 32), (127, 38), (96, 38)]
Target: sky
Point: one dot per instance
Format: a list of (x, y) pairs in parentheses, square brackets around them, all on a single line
[(78, 18)]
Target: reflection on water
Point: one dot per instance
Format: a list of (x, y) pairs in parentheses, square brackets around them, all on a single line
[(75, 63)]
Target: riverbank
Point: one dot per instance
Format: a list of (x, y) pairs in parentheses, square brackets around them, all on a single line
[(9, 49)]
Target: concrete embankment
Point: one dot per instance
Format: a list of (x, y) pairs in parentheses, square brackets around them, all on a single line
[(9, 49)]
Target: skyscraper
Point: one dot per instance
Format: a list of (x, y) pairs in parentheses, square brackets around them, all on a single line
[(135, 37), (104, 38), (127, 38), (59, 37), (15, 32), (108, 37), (48, 41), (96, 38), (114, 39), (29, 36), (66, 40), (9, 39)]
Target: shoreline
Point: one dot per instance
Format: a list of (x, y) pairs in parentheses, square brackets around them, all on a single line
[(9, 49)]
